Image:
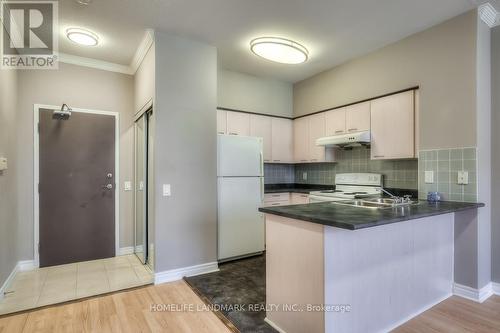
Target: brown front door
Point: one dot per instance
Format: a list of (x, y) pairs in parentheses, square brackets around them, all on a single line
[(77, 188)]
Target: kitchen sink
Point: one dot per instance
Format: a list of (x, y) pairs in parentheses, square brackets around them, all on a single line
[(376, 203)]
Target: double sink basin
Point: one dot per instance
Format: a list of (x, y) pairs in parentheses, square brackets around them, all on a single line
[(375, 203)]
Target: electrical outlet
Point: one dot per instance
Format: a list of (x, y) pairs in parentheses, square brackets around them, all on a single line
[(429, 177), (304, 175), (463, 178), (3, 163)]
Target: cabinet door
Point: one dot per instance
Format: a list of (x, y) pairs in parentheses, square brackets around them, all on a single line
[(301, 139), (221, 122), (393, 127), (282, 140), (260, 126), (357, 117), (335, 122), (316, 131), (238, 123)]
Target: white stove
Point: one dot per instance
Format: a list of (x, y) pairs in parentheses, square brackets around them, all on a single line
[(350, 186)]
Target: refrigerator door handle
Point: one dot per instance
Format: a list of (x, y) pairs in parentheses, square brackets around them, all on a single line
[(262, 189), (261, 164)]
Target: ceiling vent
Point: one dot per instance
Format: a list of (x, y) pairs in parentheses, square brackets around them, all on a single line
[(489, 15)]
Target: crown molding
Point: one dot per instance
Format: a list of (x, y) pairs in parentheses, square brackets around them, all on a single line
[(142, 50), (489, 14), (95, 63)]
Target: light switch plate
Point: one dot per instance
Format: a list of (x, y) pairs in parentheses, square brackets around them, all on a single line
[(463, 178), (429, 177), (3, 163), (166, 190), (127, 186)]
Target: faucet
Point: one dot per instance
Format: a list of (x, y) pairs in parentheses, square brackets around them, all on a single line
[(398, 200)]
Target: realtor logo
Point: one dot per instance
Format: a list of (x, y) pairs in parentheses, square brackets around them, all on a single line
[(29, 34)]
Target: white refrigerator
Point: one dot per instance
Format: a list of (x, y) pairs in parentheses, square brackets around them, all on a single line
[(240, 180)]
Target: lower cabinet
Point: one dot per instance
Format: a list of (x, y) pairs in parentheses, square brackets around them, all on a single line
[(299, 198)]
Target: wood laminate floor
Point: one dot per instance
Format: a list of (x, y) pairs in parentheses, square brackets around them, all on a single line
[(130, 311), (457, 315), (127, 311)]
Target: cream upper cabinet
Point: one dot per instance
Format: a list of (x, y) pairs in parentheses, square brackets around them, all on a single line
[(335, 122), (316, 131), (221, 122), (393, 127), (238, 123), (301, 139), (357, 117), (282, 140), (260, 126)]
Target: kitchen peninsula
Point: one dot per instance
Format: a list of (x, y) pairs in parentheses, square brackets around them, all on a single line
[(371, 268)]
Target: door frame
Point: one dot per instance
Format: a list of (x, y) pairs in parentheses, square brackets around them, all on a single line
[(36, 176)]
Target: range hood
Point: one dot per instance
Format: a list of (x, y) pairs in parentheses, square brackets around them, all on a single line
[(345, 140)]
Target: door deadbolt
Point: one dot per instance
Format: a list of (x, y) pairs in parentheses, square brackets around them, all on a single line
[(109, 175)]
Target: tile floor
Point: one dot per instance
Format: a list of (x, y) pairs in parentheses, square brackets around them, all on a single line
[(51, 285)]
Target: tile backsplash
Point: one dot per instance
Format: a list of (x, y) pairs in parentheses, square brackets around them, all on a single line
[(397, 173), (279, 173), (445, 165)]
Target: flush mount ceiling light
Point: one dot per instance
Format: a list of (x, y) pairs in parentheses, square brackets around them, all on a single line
[(280, 50), (84, 2), (82, 37)]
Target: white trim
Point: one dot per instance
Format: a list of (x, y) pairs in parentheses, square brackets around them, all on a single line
[(27, 265), (21, 266), (416, 313), (142, 50), (9, 280), (496, 288), (95, 63), (273, 325), (126, 250), (476, 295), (179, 273), (36, 153)]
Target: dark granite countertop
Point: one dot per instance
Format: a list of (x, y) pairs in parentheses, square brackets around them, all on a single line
[(354, 218), (295, 188)]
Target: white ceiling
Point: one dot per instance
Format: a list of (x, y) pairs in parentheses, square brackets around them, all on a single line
[(334, 31)]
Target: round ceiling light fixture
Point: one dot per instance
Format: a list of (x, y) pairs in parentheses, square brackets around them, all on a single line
[(280, 50), (84, 2), (82, 37)]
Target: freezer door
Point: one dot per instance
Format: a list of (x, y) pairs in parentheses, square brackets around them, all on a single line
[(239, 156), (241, 225)]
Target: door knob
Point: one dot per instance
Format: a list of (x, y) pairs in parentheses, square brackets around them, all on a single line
[(107, 187), (109, 175)]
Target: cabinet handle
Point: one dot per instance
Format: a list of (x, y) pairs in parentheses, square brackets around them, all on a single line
[(277, 160), (313, 160), (220, 132), (339, 131), (267, 160), (378, 156), (352, 129), (233, 133), (275, 204), (303, 160)]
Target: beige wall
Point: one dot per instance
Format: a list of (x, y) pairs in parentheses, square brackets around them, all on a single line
[(441, 60), (254, 94), (79, 87), (185, 152), (8, 178)]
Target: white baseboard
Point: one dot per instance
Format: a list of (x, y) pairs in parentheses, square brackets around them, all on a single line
[(27, 265), (179, 273), (21, 266), (126, 250), (273, 325), (416, 313), (476, 295), (496, 288)]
